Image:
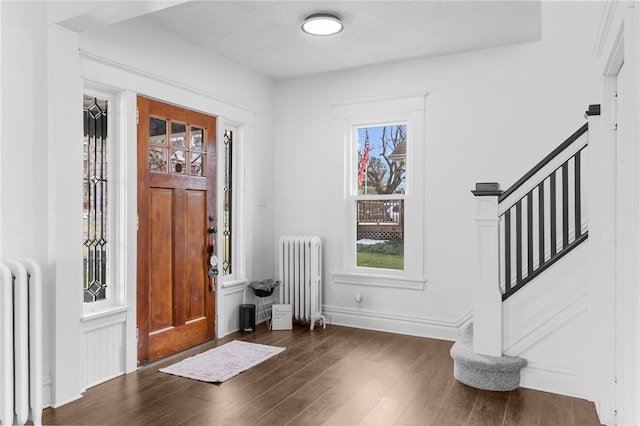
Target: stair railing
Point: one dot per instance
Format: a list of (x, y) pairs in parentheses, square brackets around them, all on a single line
[(524, 230), (542, 216)]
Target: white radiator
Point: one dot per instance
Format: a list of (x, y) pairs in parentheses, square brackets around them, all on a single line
[(300, 275), (21, 340)]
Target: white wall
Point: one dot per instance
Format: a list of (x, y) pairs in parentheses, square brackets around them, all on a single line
[(491, 115), (23, 161), (24, 129)]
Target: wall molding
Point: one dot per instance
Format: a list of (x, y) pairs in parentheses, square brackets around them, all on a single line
[(151, 76), (392, 323), (606, 24), (117, 75), (549, 325)]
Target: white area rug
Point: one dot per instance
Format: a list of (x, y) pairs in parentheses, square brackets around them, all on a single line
[(224, 362)]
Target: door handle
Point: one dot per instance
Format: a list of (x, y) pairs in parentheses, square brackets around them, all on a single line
[(212, 272), (212, 230)]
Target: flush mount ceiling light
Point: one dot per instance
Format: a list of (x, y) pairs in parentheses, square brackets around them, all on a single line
[(322, 24)]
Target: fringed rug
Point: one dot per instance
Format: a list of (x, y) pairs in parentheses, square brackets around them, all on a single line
[(224, 362)]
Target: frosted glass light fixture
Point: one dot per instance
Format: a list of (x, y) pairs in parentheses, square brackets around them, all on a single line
[(322, 24)]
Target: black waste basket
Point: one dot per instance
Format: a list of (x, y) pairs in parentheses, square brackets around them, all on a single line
[(248, 317)]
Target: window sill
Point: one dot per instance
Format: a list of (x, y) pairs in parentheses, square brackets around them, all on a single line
[(234, 283), (386, 281), (94, 315)]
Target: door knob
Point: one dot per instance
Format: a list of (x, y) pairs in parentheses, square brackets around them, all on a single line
[(212, 230), (213, 272)]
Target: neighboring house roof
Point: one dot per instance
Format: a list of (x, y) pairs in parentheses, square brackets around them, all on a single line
[(400, 153)]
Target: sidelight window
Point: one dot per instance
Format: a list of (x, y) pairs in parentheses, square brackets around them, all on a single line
[(96, 199), (227, 220)]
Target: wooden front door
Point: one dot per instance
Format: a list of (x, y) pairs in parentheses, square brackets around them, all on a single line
[(176, 231)]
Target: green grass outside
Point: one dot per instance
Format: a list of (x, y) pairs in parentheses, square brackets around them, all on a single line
[(388, 255), (384, 261)]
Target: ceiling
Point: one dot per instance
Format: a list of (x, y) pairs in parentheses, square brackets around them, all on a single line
[(266, 36)]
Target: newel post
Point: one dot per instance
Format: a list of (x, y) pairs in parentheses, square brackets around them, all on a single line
[(487, 301)]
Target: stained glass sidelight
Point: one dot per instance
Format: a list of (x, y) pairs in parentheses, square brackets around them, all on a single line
[(95, 206), (226, 234)]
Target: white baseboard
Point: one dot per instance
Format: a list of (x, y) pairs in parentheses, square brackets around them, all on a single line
[(555, 380), (414, 326), (46, 391), (65, 402)]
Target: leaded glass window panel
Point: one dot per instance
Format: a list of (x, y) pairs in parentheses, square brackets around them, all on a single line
[(227, 223), (95, 203)]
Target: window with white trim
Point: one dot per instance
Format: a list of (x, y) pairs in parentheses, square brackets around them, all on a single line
[(105, 219), (384, 192)]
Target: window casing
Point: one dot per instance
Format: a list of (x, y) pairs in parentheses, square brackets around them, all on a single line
[(406, 199)]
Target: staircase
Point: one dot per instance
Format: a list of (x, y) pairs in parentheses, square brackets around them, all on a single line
[(530, 298)]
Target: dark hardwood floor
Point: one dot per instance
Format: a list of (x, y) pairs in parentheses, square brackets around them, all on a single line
[(335, 376)]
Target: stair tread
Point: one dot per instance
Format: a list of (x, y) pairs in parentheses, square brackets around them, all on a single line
[(484, 371)]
